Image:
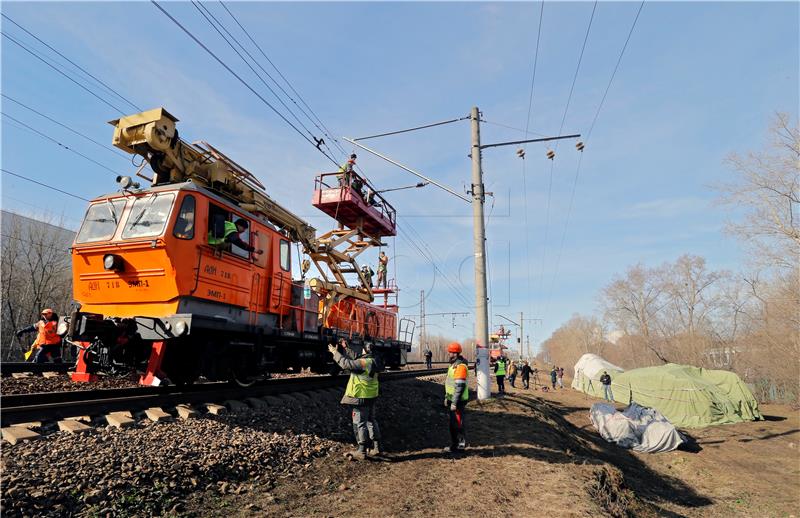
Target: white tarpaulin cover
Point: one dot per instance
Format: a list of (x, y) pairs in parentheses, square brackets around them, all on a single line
[(638, 428), (588, 371)]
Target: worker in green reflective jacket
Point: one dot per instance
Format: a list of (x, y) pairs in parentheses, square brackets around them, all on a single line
[(361, 393)]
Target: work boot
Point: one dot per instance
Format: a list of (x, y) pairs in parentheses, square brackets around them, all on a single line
[(359, 454)]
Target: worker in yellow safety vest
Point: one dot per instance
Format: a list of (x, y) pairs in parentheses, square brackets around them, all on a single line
[(456, 395), (500, 372), (231, 236), (47, 343), (361, 393)]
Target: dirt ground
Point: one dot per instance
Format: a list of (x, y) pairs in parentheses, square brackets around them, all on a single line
[(534, 454)]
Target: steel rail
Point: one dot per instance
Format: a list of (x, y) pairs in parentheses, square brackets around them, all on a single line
[(50, 406)]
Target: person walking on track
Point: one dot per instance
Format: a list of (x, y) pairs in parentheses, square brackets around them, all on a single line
[(361, 393), (456, 395)]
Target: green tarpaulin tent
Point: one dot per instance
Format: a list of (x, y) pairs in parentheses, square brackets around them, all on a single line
[(688, 396)]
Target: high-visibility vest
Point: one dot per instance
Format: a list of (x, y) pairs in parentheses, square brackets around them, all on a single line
[(362, 385), (450, 381), (47, 333), (501, 368), (230, 228)]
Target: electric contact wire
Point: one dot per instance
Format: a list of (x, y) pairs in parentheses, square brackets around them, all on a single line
[(414, 129), (111, 90), (54, 141), (588, 135), (6, 171), (90, 139), (32, 53), (324, 129), (239, 78), (217, 25)]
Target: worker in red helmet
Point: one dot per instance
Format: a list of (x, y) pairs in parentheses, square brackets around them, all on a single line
[(456, 395), (47, 344)]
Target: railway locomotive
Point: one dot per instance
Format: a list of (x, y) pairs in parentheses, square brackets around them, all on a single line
[(163, 286)]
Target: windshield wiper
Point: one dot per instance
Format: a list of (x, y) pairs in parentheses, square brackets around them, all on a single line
[(144, 209), (111, 210)]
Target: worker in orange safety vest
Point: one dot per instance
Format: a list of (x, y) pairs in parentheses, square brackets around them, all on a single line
[(47, 343), (456, 395)]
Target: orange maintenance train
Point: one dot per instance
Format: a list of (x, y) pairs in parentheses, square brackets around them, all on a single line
[(192, 276)]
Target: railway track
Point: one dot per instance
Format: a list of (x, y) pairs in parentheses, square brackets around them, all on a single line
[(52, 406)]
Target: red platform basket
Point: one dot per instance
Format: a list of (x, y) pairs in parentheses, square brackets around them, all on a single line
[(335, 195)]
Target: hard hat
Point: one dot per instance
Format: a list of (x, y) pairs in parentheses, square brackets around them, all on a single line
[(454, 347), (47, 312)]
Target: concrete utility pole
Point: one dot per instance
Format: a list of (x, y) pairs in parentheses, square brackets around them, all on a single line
[(421, 321), (521, 334), (479, 249)]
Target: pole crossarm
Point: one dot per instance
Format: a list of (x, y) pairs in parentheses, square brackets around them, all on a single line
[(545, 139), (415, 173)]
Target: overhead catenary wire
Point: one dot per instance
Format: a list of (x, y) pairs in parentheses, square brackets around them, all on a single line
[(6, 171), (110, 89), (324, 129), (68, 128), (54, 141), (239, 78), (441, 123), (217, 25), (34, 54), (580, 159)]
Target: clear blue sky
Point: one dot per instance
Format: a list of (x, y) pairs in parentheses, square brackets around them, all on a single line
[(698, 81)]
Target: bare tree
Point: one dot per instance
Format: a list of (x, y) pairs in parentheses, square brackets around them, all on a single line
[(767, 187)]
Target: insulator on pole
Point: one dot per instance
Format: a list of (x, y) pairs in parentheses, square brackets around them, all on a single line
[(521, 153), (551, 154), (579, 146)]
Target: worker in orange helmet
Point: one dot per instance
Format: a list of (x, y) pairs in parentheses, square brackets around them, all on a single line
[(47, 343), (456, 396)]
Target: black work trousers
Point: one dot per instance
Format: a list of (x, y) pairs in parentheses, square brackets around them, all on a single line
[(458, 438), (501, 384)]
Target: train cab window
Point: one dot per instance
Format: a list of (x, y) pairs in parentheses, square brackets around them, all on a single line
[(101, 221), (184, 223), (223, 233), (148, 216), (285, 255)]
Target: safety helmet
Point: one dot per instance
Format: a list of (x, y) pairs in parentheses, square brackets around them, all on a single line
[(47, 312), (454, 347)]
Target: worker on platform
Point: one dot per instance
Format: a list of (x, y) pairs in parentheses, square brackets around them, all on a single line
[(345, 171), (383, 269), (231, 236), (456, 395), (361, 393), (47, 345), (500, 373), (367, 272)]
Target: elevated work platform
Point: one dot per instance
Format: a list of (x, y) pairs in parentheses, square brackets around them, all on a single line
[(348, 199)]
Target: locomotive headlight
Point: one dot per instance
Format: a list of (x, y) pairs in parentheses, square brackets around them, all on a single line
[(180, 328), (113, 262)]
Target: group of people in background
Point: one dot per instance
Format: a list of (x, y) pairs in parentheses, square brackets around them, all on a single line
[(504, 368)]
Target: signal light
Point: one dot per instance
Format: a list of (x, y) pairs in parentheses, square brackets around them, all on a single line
[(113, 263)]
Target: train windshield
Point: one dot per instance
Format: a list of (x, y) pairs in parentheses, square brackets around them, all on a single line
[(148, 216), (101, 221)]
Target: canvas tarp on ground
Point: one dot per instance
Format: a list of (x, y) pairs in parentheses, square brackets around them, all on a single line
[(588, 371), (688, 396), (641, 429)]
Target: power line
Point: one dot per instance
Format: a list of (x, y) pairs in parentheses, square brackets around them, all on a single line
[(580, 159), (413, 129), (72, 62), (34, 54), (324, 129), (90, 139), (51, 139), (203, 10), (527, 132), (44, 185), (237, 76)]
